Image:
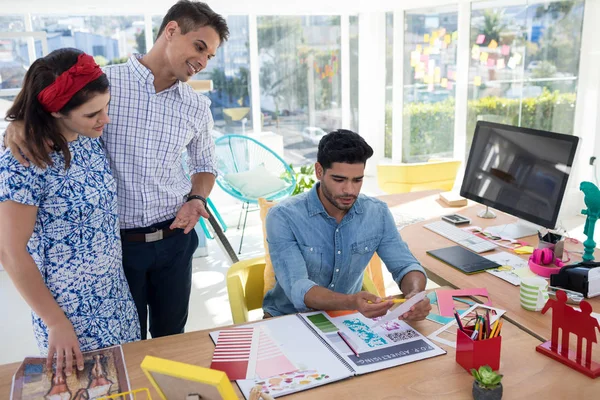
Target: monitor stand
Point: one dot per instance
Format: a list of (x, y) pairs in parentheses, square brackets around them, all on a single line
[(487, 213), (516, 230)]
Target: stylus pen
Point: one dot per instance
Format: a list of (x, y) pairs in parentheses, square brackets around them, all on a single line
[(347, 341)]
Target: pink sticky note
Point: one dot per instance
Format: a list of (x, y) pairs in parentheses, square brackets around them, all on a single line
[(505, 50), (450, 85), (480, 39), (491, 62), (446, 304)]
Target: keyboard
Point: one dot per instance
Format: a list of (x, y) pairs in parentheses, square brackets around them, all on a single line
[(463, 238)]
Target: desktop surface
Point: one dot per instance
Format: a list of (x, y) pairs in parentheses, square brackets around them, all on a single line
[(503, 294)]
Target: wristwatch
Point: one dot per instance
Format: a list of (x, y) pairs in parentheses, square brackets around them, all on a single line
[(195, 197)]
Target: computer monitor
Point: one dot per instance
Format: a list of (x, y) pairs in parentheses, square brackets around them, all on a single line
[(520, 171)]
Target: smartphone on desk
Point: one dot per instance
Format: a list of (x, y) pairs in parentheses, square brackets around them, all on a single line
[(456, 219)]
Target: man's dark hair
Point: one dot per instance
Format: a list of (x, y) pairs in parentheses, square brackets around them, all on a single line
[(343, 146), (192, 15)]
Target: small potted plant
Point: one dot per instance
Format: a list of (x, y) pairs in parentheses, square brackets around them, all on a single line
[(487, 385)]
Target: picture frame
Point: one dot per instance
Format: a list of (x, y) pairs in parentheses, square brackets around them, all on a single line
[(176, 380)]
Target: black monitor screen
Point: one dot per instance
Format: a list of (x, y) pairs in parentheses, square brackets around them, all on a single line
[(520, 171)]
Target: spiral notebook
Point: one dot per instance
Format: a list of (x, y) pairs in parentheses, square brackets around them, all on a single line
[(325, 347)]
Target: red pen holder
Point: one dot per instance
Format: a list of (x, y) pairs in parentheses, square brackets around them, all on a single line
[(475, 353)]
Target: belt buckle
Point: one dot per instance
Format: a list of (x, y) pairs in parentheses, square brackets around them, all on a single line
[(154, 236)]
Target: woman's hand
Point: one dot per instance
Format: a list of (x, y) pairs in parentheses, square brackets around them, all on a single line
[(63, 342)]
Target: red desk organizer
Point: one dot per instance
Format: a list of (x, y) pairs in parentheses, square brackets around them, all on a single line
[(475, 353)]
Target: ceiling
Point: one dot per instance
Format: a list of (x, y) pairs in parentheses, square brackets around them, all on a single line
[(226, 7)]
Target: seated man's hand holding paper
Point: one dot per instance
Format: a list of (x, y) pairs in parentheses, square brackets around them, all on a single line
[(376, 308), (419, 311)]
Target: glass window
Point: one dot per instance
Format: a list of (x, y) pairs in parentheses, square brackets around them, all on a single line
[(430, 44), (229, 71), (14, 61), (354, 73), (524, 63), (110, 39), (12, 23), (14, 58), (300, 83), (389, 81)]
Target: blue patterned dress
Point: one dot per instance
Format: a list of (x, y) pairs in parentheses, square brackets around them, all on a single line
[(75, 242)]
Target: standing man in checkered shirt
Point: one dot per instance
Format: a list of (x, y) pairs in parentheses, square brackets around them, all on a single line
[(155, 117)]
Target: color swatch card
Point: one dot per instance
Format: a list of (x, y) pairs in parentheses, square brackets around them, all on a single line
[(271, 360), (236, 352)]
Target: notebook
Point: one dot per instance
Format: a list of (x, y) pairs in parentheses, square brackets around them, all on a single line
[(463, 259), (326, 347)]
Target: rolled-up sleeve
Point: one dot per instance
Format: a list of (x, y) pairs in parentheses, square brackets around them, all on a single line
[(394, 251), (201, 148), (288, 263)]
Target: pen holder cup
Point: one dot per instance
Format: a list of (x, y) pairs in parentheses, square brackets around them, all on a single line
[(476, 353)]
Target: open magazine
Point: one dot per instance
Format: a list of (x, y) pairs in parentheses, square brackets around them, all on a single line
[(303, 351), (104, 374)]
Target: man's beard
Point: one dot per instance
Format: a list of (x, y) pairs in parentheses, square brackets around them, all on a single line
[(333, 200)]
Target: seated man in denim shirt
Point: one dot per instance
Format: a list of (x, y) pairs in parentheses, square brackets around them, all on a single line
[(321, 241)]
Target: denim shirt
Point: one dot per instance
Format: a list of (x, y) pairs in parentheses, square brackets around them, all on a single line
[(308, 247)]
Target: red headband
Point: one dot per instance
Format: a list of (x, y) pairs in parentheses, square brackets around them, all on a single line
[(58, 93)]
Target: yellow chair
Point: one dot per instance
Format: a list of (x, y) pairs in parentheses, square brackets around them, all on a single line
[(245, 287), (402, 178)]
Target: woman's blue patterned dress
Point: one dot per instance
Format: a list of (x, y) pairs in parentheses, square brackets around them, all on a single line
[(76, 243)]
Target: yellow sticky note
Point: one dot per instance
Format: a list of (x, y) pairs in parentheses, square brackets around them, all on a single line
[(455, 35), (493, 44), (477, 81), (475, 51), (447, 39), (524, 250), (444, 83), (415, 58), (426, 38), (524, 272), (517, 57), (483, 57), (500, 63), (419, 48)]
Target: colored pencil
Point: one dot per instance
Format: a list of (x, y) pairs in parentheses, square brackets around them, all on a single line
[(395, 301), (497, 333), (347, 341)]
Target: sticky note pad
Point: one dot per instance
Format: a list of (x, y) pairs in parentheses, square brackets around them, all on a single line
[(524, 250)]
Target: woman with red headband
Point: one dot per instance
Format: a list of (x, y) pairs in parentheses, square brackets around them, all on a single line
[(59, 229)]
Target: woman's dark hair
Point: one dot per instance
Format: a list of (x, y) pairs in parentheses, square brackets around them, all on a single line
[(343, 146), (41, 128), (192, 15)]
